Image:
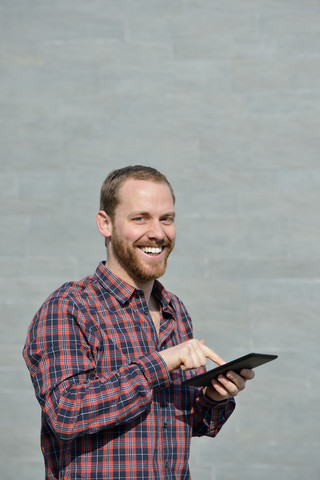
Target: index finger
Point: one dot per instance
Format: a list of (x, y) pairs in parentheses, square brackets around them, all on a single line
[(211, 354)]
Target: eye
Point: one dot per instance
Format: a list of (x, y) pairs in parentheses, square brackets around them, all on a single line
[(139, 219), (168, 220)]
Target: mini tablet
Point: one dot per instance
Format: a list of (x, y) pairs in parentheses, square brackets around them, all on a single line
[(250, 361)]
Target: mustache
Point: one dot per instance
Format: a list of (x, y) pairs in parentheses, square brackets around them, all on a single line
[(153, 244)]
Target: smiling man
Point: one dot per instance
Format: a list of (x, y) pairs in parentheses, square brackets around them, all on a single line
[(108, 355), (140, 232)]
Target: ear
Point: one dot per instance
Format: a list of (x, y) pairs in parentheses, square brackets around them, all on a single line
[(104, 224)]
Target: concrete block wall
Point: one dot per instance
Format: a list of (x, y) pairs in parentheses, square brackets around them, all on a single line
[(223, 97)]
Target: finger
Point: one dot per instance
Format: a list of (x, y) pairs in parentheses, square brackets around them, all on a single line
[(237, 380), (191, 356), (197, 355), (211, 354), (221, 389), (247, 374), (231, 388)]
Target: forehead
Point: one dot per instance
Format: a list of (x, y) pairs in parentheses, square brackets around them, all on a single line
[(144, 194)]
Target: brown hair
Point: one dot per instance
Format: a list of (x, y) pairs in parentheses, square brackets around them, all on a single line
[(112, 184)]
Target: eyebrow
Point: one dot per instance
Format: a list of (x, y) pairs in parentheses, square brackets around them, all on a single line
[(147, 214)]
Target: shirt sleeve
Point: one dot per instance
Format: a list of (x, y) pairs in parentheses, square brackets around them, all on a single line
[(73, 398), (209, 416)]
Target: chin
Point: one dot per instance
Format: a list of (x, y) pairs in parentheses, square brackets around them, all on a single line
[(149, 274)]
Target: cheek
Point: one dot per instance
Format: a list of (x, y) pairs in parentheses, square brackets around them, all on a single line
[(133, 235), (171, 234), (125, 231)]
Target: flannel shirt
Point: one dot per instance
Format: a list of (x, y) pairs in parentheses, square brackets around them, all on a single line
[(110, 408)]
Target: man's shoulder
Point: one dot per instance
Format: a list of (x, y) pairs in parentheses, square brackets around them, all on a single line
[(90, 290), (74, 291)]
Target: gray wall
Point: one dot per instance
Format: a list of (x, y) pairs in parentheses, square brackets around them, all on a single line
[(223, 97)]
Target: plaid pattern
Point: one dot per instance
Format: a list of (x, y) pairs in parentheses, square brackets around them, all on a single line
[(110, 408)]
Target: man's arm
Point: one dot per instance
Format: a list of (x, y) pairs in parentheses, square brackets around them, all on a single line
[(74, 398)]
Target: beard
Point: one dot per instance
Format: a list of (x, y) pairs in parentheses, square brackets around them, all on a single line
[(131, 262)]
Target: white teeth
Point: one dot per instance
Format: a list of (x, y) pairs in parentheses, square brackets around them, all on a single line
[(152, 250)]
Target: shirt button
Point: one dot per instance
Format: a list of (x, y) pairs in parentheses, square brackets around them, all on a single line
[(165, 425)]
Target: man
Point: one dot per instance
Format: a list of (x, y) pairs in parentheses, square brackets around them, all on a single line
[(108, 355)]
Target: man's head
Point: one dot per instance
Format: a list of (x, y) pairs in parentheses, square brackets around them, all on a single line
[(109, 195), (137, 221)]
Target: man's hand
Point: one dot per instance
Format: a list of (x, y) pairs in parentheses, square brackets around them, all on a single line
[(188, 355), (194, 354), (229, 385)]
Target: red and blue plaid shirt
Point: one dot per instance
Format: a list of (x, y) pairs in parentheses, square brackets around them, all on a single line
[(110, 408)]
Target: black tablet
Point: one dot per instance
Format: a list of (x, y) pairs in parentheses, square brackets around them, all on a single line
[(250, 361)]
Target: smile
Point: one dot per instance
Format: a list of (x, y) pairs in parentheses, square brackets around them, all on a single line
[(151, 250)]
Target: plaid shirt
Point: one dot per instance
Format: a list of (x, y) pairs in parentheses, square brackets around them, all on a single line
[(110, 408)]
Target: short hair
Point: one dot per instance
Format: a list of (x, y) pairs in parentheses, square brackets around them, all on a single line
[(109, 195)]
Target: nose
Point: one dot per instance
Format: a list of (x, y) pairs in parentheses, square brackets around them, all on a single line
[(156, 231)]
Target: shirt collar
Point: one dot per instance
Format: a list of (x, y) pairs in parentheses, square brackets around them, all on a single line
[(123, 291), (161, 294)]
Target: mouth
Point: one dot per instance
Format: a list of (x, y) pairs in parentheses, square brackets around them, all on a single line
[(152, 251)]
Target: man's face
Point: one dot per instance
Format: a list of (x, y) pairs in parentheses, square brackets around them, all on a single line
[(143, 231)]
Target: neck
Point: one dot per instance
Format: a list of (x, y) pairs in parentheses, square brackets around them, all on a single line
[(148, 291)]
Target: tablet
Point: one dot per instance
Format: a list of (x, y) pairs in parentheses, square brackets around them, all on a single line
[(250, 361)]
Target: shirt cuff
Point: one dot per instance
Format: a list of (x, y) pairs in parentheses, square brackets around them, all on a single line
[(155, 370)]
